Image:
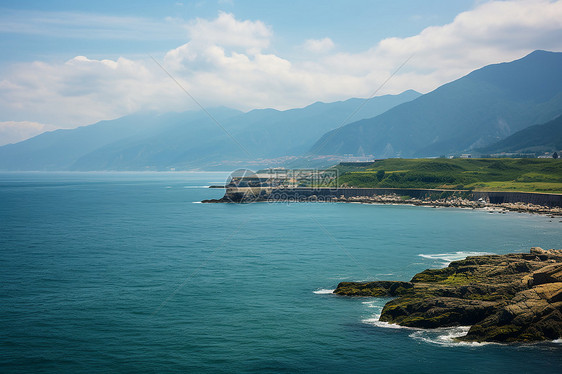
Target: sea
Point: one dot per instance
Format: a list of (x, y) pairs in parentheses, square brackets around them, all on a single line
[(130, 273)]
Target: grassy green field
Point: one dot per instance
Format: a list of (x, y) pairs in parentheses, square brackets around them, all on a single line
[(485, 174)]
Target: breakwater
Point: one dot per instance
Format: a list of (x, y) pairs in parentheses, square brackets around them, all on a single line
[(550, 200)]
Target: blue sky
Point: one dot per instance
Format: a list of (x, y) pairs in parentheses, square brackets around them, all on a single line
[(354, 25), (66, 64)]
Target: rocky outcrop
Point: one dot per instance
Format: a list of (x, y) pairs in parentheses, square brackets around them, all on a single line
[(505, 298), (432, 312), (532, 315), (377, 289)]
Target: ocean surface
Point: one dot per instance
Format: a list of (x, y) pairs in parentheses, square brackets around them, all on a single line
[(126, 272)]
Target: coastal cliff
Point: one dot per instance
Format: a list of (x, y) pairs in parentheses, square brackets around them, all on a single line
[(505, 298)]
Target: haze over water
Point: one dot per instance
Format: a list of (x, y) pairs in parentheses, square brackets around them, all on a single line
[(122, 272)]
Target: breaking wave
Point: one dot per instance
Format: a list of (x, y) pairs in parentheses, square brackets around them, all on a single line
[(323, 291), (445, 336), (441, 336), (374, 321), (447, 258)]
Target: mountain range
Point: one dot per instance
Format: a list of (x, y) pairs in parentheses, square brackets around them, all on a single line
[(189, 140), (474, 111), (497, 103)]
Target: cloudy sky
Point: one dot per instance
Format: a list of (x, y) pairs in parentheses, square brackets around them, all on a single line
[(66, 64)]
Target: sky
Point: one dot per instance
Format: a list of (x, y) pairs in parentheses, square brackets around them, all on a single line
[(68, 64)]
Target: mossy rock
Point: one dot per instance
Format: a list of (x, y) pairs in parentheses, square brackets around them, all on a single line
[(506, 298), (374, 289), (433, 275), (430, 312)]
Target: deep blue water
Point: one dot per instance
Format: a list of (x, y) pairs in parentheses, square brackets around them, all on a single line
[(125, 273)]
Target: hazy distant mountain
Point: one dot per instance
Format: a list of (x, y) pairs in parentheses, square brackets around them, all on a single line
[(64, 149), (534, 139), (189, 140), (271, 133), (479, 109)]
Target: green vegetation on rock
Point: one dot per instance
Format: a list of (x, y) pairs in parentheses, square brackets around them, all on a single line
[(506, 298), (376, 289)]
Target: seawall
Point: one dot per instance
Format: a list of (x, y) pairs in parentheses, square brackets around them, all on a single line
[(326, 194)]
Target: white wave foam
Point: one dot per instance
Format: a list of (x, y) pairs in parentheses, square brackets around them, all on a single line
[(196, 186), (447, 258), (442, 336), (323, 291), (558, 341), (375, 322), (197, 202), (445, 336)]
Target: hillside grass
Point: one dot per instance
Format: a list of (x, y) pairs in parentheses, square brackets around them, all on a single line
[(486, 174)]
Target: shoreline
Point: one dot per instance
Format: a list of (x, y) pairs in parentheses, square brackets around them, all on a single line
[(394, 199), (552, 212)]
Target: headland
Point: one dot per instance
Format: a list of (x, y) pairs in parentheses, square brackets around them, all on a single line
[(504, 298)]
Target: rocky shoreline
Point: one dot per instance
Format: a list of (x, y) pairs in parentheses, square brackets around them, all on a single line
[(449, 202), (453, 202), (504, 298)]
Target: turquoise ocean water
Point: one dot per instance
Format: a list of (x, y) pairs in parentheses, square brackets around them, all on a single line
[(125, 272)]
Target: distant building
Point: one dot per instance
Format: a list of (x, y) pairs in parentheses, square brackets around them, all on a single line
[(466, 155)]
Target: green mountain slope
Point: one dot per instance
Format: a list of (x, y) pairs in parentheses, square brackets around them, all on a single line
[(537, 139), (479, 109)]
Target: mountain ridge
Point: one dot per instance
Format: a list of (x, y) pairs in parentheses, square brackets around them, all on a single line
[(540, 138), (476, 110), (189, 140)]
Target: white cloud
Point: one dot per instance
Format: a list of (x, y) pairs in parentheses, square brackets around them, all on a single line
[(79, 92), (229, 32), (230, 62), (319, 45), (493, 32)]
